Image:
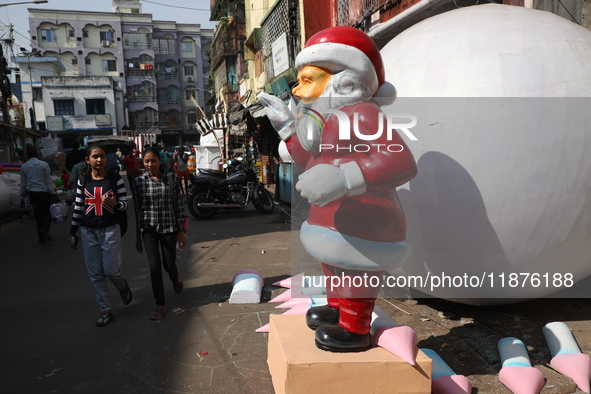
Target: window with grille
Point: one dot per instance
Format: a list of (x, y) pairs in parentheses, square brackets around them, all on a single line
[(109, 65), (85, 33), (191, 118), (189, 93), (63, 107), (49, 35), (164, 46), (283, 18), (71, 33), (187, 47), (106, 37), (37, 94), (189, 70), (87, 61), (74, 61), (95, 107), (137, 40)]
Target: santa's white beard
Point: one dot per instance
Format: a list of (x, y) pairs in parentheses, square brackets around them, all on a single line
[(309, 130)]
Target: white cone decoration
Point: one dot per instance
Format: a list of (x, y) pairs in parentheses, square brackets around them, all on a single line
[(248, 286)]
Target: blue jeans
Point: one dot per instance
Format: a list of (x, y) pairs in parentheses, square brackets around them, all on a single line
[(102, 253)]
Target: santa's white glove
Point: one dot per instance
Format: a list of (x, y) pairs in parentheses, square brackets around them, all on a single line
[(324, 183), (279, 114)]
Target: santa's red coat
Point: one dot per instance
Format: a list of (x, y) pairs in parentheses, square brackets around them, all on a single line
[(376, 215)]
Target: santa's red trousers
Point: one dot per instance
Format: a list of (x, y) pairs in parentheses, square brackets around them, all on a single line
[(354, 302)]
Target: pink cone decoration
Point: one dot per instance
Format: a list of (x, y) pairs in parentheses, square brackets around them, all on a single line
[(445, 380), (283, 297), (567, 357), (299, 309), (295, 301), (522, 380), (400, 340), (294, 281), (576, 366), (452, 384)]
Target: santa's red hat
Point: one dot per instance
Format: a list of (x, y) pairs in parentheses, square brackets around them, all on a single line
[(345, 48)]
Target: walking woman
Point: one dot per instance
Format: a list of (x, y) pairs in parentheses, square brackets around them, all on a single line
[(99, 195), (160, 223)]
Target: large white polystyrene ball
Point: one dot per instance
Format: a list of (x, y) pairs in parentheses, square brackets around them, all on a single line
[(504, 187)]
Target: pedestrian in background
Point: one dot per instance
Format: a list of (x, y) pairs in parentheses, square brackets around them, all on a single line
[(160, 222), (112, 162), (130, 167), (99, 194), (77, 168), (163, 158), (181, 163), (36, 183), (74, 156)]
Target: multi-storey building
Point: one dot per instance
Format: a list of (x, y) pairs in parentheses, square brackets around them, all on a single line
[(154, 68), (227, 60)]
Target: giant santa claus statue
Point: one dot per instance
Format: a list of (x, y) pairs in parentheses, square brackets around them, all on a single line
[(356, 225)]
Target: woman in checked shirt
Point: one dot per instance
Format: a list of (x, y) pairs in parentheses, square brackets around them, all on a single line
[(160, 223)]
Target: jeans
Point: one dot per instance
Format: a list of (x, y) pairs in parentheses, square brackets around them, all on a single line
[(41, 201), (102, 252), (154, 244)]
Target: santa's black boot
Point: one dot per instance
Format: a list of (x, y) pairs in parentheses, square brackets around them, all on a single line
[(322, 315), (337, 339), (352, 332), (325, 314)]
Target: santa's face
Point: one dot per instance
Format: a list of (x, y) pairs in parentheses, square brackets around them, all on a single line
[(312, 82)]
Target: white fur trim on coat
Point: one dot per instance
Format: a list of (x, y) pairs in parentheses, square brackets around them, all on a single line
[(353, 253), (338, 57), (355, 181)]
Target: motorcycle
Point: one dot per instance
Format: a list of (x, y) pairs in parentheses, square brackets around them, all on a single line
[(213, 189)]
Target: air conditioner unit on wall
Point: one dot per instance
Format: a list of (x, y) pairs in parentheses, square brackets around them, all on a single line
[(191, 79), (106, 43)]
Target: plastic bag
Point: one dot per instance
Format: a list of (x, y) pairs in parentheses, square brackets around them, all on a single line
[(59, 212)]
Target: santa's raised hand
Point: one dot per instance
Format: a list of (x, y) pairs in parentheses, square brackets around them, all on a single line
[(279, 114)]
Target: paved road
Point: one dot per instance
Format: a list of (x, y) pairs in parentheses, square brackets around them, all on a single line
[(51, 345)]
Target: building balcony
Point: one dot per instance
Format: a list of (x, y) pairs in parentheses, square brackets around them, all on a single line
[(171, 75), (136, 72), (137, 45), (169, 100), (141, 98), (161, 51)]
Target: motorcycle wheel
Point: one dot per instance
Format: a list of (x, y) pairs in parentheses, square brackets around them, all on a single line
[(199, 196), (263, 200)]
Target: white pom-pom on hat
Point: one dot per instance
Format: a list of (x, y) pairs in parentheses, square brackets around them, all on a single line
[(385, 95)]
